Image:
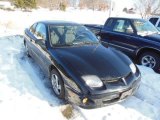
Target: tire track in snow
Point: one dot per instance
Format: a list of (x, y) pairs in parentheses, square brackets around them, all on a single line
[(23, 86), (151, 96), (142, 107)]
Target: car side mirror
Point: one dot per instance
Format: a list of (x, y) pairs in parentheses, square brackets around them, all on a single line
[(99, 38), (41, 43), (38, 41)]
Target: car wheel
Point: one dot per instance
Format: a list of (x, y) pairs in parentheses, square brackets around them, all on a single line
[(150, 59), (57, 84), (27, 50)]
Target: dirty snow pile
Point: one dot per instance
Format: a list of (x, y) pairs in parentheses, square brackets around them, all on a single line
[(25, 93)]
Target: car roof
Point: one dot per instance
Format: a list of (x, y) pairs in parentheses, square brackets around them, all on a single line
[(126, 18), (158, 17), (57, 22)]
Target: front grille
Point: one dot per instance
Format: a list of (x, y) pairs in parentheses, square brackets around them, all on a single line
[(112, 80), (118, 81), (111, 101), (128, 76), (113, 83)]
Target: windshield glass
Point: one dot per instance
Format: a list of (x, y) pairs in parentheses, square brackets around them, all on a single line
[(64, 35), (144, 27)]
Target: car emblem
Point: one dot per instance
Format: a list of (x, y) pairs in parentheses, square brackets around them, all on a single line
[(123, 79)]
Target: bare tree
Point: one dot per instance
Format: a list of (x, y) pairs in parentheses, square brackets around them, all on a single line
[(94, 4), (73, 3), (147, 7), (82, 4), (53, 4)]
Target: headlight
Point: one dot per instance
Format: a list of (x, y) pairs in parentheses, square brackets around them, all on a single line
[(133, 68), (92, 81)]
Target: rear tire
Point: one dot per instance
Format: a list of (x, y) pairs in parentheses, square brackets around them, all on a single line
[(150, 59), (57, 84)]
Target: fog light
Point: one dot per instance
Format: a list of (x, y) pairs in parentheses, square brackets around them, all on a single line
[(85, 100)]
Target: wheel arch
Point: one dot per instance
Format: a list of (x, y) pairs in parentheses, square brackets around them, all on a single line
[(24, 41), (71, 84), (51, 67), (146, 49)]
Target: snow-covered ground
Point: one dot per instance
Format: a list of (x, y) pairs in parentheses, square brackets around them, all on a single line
[(26, 94), (6, 4)]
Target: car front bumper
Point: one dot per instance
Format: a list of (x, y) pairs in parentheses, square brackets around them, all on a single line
[(100, 100)]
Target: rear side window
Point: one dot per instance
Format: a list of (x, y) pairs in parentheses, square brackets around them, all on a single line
[(109, 23), (158, 25), (153, 20)]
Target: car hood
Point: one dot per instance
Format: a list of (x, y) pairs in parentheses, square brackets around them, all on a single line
[(153, 37), (94, 60)]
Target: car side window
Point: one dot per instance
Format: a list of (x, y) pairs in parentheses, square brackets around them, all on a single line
[(108, 23), (123, 26), (33, 28), (158, 25), (40, 32), (153, 20)]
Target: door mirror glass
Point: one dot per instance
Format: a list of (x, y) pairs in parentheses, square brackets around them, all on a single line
[(99, 37)]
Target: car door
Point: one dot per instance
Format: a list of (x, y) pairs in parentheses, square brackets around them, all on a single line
[(30, 40), (40, 43), (122, 36)]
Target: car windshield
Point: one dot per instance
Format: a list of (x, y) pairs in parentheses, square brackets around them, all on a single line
[(68, 35), (144, 27)]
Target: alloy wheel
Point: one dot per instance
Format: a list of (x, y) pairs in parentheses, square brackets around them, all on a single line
[(56, 84), (148, 61), (26, 49)]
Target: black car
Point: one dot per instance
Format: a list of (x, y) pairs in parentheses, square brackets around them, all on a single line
[(137, 38), (81, 70)]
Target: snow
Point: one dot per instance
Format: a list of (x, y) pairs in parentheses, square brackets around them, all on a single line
[(23, 92), (26, 94), (5, 4)]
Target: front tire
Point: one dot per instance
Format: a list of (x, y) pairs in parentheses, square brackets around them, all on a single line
[(57, 84), (150, 59)]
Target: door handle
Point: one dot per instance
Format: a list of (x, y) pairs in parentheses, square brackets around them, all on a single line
[(32, 40)]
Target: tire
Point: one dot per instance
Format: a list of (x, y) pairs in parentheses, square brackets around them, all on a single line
[(150, 59), (26, 49), (57, 84)]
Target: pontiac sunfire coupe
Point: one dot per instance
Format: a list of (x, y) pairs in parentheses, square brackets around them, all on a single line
[(81, 70)]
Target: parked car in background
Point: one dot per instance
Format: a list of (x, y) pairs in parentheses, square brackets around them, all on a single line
[(137, 38), (155, 20), (81, 70)]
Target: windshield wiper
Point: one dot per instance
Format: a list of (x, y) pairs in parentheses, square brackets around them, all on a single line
[(75, 43), (84, 42), (63, 45)]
